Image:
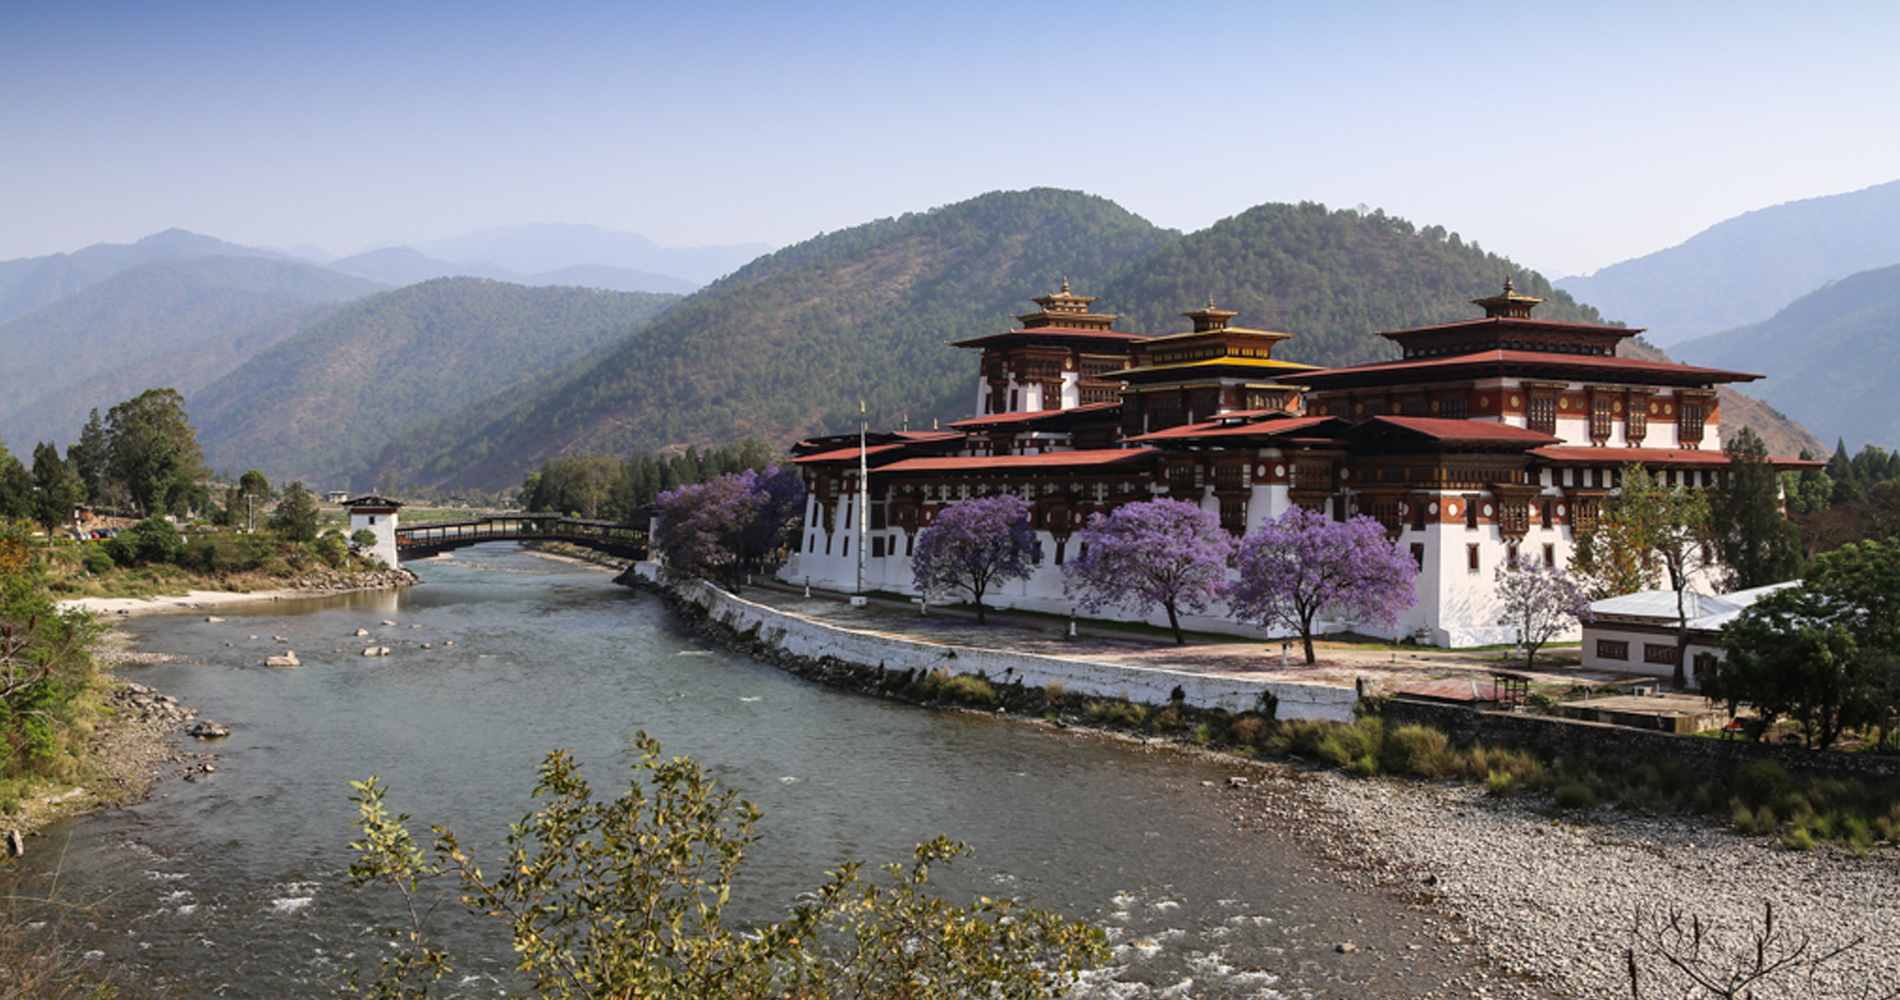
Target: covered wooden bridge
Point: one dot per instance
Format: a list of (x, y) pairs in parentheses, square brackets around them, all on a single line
[(427, 538)]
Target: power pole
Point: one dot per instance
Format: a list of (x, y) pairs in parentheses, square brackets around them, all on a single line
[(250, 513)]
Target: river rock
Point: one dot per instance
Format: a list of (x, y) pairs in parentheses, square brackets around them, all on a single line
[(208, 730), (376, 651), (289, 659), (361, 632), (392, 624), (214, 619)]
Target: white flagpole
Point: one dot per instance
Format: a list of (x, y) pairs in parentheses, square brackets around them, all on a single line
[(864, 490)]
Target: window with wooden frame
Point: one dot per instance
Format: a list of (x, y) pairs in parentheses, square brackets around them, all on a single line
[(1544, 515), (1471, 557), (1602, 416), (1471, 513), (1454, 407), (1656, 652), (1612, 649), (1542, 413), (1419, 507), (1418, 554), (1550, 556), (1636, 420), (1689, 422)]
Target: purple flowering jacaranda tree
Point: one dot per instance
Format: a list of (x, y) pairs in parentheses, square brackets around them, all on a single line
[(1303, 563), (1540, 603), (717, 530), (975, 545), (1160, 553)]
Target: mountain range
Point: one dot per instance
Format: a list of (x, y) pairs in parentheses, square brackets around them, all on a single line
[(1829, 356), (1741, 271), (788, 345)]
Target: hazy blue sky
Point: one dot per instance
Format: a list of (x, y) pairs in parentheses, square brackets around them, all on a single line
[(1567, 136)]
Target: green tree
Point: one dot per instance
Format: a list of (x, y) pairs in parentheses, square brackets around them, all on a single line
[(1651, 532), (153, 540), (91, 458), (16, 487), (295, 518), (1758, 545), (626, 898), (153, 450), (1788, 656), (57, 491)]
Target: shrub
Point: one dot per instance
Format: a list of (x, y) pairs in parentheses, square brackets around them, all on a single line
[(1346, 745), (1301, 737), (1501, 783), (1761, 782), (96, 559), (1417, 750), (1168, 719), (961, 689), (1248, 730), (1798, 838), (1575, 795), (1117, 713), (153, 540)]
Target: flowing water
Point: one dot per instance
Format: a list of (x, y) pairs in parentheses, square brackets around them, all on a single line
[(234, 884)]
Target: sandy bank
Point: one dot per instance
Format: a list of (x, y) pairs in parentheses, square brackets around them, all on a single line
[(193, 600)]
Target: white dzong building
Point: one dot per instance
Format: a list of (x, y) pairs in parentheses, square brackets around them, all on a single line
[(1491, 439)]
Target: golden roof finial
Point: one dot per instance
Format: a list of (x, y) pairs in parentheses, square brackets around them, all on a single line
[(1210, 300), (1509, 285), (1065, 284)]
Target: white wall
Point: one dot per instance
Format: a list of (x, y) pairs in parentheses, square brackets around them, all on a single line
[(816, 640)]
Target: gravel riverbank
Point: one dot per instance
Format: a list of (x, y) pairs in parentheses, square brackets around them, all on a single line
[(1551, 901)]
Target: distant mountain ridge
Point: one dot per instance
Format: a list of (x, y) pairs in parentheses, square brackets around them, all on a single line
[(400, 266), (538, 248), (179, 322), (1742, 270), (31, 283), (315, 402), (1830, 358)]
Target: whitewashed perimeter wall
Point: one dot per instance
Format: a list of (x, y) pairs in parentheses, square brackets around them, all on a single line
[(815, 640)]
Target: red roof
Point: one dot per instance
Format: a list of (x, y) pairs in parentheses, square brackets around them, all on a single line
[(1497, 363), (1555, 325), (1059, 332), (1013, 463), (1031, 416), (1442, 429), (841, 454), (1223, 428), (1624, 456)]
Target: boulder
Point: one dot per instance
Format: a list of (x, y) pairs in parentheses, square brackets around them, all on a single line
[(289, 659), (208, 730)]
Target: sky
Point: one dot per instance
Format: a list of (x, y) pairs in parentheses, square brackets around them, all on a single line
[(1568, 137)]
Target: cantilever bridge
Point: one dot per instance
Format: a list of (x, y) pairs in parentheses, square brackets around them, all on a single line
[(427, 538)]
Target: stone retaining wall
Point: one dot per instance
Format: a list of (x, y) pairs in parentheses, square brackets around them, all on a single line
[(1576, 738), (805, 639)]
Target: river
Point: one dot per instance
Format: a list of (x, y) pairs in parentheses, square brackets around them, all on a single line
[(234, 884)]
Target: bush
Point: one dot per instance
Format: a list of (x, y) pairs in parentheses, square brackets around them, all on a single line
[(1117, 713), (961, 689), (1248, 730), (1575, 795), (96, 559), (1761, 782), (153, 540), (1417, 750), (1501, 783)]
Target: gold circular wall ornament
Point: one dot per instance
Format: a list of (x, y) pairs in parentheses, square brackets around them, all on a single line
[(1616, 406), (1515, 402), (1563, 404), (1484, 401)]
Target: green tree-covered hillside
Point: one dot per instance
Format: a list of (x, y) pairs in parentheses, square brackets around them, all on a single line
[(790, 343), (312, 405), (1333, 279), (29, 283), (185, 317)]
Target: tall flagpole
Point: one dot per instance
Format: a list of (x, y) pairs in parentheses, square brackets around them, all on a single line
[(864, 491)]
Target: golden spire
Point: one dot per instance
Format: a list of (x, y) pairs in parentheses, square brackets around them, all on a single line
[(1509, 304)]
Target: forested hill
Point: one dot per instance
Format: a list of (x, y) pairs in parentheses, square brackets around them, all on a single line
[(315, 403), (788, 344), (1332, 279), (1829, 357), (179, 323)]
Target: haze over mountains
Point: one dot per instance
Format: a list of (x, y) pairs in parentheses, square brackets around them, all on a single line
[(1742, 270)]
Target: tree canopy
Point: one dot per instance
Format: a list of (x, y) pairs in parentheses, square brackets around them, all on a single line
[(1304, 563), (974, 545), (1159, 553)]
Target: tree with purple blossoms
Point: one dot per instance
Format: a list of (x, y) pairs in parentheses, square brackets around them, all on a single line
[(1160, 553), (720, 529), (1303, 563), (1540, 603), (974, 545)]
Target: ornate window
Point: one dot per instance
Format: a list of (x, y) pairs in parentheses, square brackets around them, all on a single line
[(1636, 421), (1455, 407), (1654, 652), (1514, 518), (1612, 649), (1542, 415), (1689, 422), (1602, 417), (1233, 515)]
